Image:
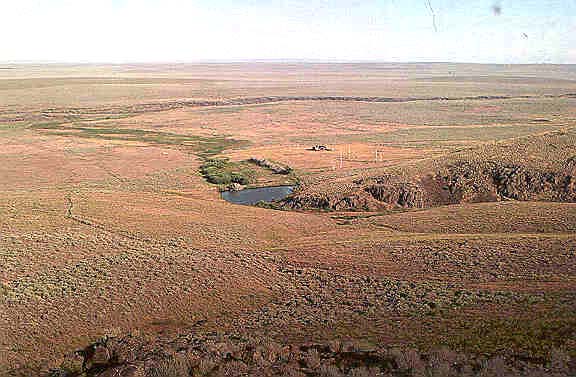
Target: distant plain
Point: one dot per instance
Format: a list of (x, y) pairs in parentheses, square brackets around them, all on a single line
[(107, 226)]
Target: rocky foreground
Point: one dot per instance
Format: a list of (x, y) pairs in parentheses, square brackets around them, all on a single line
[(228, 355)]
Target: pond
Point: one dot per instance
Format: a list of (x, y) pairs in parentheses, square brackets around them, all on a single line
[(254, 195)]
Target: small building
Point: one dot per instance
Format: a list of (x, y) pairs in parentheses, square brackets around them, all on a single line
[(319, 148)]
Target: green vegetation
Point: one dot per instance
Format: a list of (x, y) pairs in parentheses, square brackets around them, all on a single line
[(530, 338), (203, 146), (10, 129), (222, 110), (9, 126), (274, 167), (269, 205), (224, 172)]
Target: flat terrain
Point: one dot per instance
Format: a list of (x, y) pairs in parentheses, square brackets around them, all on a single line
[(108, 228)]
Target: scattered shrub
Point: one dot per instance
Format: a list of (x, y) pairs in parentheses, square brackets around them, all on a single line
[(224, 172), (175, 367)]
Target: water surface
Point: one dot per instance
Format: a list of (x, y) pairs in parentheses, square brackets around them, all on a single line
[(254, 195)]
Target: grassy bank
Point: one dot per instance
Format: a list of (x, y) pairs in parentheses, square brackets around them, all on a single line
[(224, 172)]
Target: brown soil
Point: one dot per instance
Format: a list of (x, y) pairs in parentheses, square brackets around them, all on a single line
[(108, 228)]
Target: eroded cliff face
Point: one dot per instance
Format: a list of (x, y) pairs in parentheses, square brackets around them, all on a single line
[(459, 182), (465, 182), (360, 201), (399, 194)]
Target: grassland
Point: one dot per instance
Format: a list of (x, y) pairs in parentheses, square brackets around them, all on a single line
[(109, 227)]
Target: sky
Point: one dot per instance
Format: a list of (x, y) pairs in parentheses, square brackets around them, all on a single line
[(127, 31)]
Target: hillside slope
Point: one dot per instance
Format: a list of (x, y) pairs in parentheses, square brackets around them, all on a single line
[(540, 167)]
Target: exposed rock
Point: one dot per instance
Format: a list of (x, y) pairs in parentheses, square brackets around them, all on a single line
[(97, 356), (460, 182), (234, 355), (401, 194), (235, 187), (570, 165), (470, 183), (299, 201), (274, 167), (124, 350)]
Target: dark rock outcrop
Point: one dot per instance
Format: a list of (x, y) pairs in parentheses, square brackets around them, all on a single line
[(400, 194), (459, 182), (272, 166), (492, 182), (227, 355)]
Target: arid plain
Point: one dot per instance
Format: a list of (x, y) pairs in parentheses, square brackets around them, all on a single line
[(442, 214)]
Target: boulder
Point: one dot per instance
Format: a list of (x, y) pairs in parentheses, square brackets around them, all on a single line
[(235, 187), (97, 356)]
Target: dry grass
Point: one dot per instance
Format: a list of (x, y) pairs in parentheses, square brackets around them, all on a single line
[(504, 217), (108, 227)]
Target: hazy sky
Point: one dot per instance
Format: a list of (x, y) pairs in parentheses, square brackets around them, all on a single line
[(525, 31)]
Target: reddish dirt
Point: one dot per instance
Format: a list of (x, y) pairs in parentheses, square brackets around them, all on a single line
[(107, 237)]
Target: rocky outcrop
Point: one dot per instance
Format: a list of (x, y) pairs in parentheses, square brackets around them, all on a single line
[(52, 113), (361, 201), (399, 194), (273, 166), (570, 165), (460, 182), (235, 186), (232, 355), (492, 182)]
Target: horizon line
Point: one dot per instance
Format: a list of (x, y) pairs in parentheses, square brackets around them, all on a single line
[(280, 61)]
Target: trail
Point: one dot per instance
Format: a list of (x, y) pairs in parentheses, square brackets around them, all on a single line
[(91, 223)]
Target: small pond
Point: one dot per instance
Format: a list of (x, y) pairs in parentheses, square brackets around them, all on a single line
[(252, 196)]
